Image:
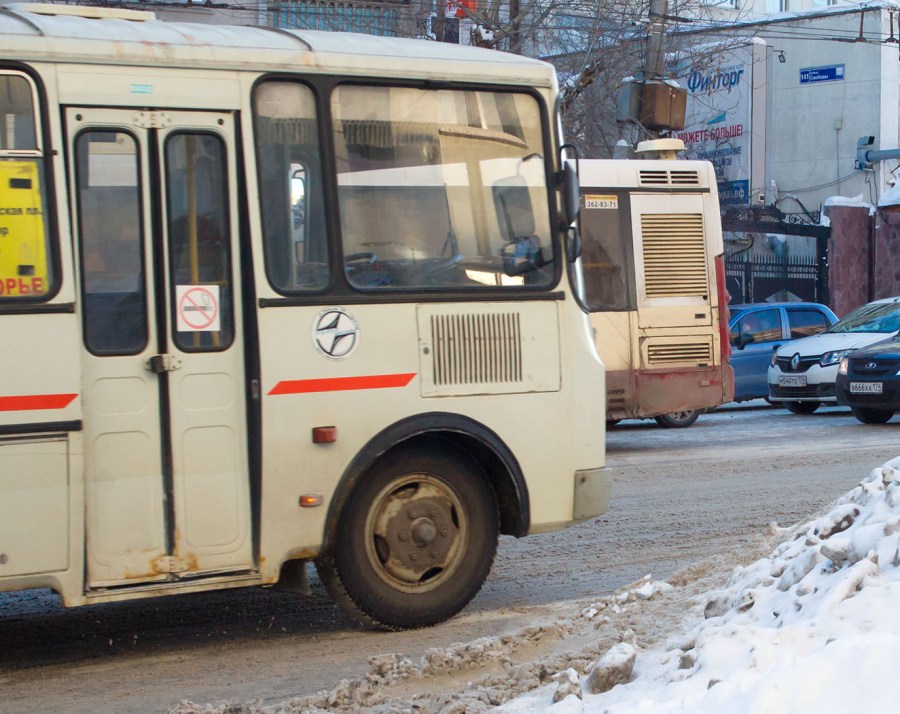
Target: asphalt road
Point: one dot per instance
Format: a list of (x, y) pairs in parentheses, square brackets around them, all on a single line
[(679, 496)]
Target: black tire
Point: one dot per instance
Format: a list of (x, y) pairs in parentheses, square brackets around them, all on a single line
[(414, 542), (801, 407), (872, 416), (678, 420)]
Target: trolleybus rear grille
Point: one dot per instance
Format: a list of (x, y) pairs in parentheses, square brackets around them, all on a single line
[(669, 178), (664, 355), (674, 255)]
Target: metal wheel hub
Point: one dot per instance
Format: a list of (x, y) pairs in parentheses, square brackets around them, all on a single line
[(415, 535)]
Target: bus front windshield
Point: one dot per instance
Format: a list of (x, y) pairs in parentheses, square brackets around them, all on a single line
[(441, 188)]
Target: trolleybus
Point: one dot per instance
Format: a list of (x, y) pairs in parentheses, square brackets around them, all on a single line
[(654, 280)]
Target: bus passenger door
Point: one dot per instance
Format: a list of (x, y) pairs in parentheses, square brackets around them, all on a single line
[(166, 465)]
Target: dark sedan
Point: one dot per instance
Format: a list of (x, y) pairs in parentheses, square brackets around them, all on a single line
[(868, 381)]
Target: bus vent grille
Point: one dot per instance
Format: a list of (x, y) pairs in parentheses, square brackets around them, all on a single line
[(699, 354), (674, 255), (669, 178), (477, 349)]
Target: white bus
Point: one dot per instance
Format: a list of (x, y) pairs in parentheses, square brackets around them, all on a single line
[(270, 298), (655, 285)]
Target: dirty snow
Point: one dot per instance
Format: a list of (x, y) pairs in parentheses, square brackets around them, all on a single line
[(810, 627)]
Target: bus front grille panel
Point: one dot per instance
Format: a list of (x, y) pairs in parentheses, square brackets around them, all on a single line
[(667, 355), (674, 255), (669, 178), (477, 349)]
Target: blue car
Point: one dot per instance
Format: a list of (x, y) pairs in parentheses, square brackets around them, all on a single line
[(755, 331)]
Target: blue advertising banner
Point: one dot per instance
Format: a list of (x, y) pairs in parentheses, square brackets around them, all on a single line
[(829, 73)]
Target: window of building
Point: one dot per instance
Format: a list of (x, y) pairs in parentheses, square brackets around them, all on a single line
[(370, 19)]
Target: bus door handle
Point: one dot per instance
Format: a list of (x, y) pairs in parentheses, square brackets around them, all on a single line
[(163, 363)]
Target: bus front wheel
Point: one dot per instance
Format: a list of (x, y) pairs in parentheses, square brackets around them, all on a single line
[(415, 542)]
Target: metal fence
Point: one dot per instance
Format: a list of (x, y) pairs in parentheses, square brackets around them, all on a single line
[(762, 278)]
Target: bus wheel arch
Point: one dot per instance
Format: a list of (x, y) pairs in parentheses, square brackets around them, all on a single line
[(413, 528)]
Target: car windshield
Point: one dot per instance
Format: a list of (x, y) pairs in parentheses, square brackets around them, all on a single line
[(874, 317)]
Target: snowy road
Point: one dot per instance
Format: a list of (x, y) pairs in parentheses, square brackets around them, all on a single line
[(679, 497)]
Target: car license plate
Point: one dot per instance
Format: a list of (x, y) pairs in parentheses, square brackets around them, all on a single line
[(865, 387), (792, 380)]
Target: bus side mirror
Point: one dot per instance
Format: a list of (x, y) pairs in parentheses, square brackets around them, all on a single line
[(571, 194)]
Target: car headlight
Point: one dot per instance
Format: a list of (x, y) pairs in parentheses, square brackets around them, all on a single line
[(833, 357), (845, 363), (774, 359)]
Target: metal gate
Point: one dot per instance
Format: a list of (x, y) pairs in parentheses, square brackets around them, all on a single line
[(753, 280)]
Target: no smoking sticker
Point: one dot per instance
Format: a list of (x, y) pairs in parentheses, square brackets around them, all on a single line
[(198, 308)]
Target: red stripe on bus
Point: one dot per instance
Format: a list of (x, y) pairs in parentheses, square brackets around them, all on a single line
[(31, 402), (342, 384)]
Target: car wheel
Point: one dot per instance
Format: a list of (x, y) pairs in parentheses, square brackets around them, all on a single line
[(801, 407), (415, 541), (678, 420), (872, 416)]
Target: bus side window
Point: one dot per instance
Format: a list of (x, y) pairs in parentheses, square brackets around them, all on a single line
[(607, 256), (290, 188), (26, 265), (109, 220)]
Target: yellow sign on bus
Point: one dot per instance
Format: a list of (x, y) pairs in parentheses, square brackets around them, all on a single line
[(23, 244)]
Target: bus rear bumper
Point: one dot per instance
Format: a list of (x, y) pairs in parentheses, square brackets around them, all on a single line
[(592, 492)]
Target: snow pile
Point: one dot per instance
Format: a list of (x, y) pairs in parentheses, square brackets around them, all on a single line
[(812, 629), (851, 201)]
